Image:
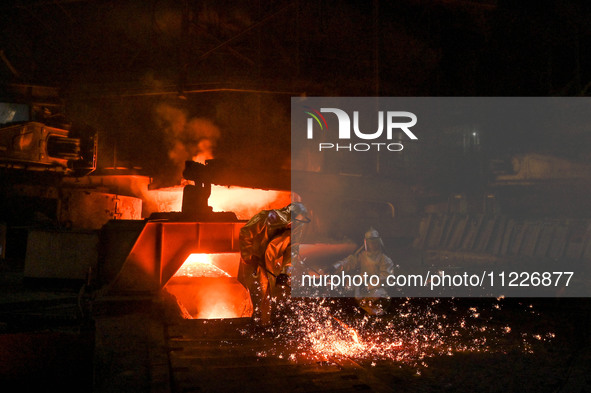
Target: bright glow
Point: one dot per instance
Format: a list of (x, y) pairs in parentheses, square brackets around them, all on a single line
[(219, 310), (199, 258), (200, 265), (204, 288), (245, 202)]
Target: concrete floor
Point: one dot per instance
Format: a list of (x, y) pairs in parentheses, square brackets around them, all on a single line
[(215, 356), (52, 336)]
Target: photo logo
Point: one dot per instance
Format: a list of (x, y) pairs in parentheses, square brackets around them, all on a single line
[(394, 121), (317, 116)]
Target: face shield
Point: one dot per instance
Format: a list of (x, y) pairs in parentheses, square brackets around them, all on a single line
[(372, 241), (299, 212)]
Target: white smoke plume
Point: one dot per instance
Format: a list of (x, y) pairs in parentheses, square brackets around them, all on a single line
[(185, 138)]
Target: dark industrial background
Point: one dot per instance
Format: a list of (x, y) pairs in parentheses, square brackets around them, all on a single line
[(139, 84), (111, 63)]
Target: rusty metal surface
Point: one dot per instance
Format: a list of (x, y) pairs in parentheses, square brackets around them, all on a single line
[(91, 209)]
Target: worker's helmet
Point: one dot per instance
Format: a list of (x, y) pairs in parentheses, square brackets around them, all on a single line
[(299, 212), (298, 216), (371, 235)]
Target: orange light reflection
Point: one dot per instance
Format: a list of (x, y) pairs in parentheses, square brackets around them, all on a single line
[(204, 290), (200, 265), (245, 202)]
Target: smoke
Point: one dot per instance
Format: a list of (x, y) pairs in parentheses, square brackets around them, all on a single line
[(185, 139), (155, 135)]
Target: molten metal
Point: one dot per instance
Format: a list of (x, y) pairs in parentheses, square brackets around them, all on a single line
[(200, 265), (205, 288)]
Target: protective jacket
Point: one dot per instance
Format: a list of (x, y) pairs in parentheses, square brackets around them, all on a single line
[(265, 254), (373, 263)]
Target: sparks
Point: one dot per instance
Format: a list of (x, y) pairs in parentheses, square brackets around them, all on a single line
[(318, 328)]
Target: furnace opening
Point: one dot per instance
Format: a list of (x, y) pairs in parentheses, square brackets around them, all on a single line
[(205, 287)]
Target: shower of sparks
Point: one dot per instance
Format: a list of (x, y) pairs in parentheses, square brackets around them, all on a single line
[(416, 330)]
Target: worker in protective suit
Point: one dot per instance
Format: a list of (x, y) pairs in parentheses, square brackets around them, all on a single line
[(266, 251), (370, 259)]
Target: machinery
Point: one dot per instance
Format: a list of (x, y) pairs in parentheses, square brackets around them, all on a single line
[(193, 254), (36, 146), (35, 158)]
